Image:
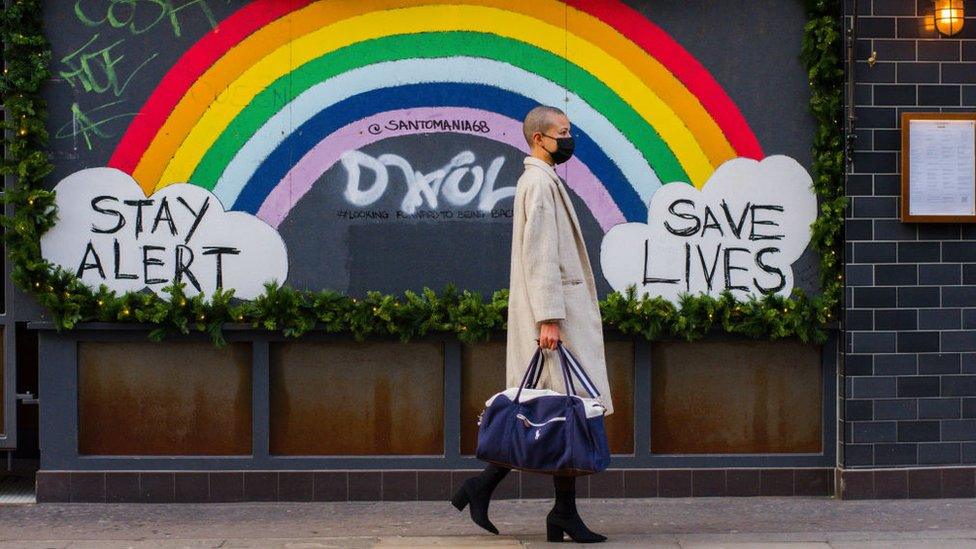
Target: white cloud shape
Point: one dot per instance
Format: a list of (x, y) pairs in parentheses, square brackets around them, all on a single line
[(743, 230), (109, 232)]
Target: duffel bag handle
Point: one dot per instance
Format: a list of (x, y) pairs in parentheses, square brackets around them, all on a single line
[(571, 367), (568, 364), (532, 373), (537, 374)]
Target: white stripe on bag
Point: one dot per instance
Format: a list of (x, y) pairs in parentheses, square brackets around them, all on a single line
[(581, 374)]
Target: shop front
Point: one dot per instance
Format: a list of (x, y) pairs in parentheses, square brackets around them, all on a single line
[(279, 265)]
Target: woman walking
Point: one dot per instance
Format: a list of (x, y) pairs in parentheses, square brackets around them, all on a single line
[(552, 297)]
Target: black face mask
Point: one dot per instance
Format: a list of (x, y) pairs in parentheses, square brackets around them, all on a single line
[(564, 148)]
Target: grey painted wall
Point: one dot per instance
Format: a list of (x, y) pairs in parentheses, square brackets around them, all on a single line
[(911, 304)]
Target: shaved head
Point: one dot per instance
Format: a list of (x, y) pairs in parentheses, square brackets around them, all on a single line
[(540, 119)]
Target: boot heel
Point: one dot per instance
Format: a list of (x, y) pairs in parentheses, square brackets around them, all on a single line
[(460, 499), (554, 534)]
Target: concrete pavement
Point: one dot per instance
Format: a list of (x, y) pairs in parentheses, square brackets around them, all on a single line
[(664, 522)]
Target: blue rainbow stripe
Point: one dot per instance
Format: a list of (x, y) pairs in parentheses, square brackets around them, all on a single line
[(308, 135)]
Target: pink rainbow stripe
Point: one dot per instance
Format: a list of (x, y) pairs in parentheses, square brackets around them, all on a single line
[(326, 153)]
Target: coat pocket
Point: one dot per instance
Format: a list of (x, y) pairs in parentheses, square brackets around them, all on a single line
[(571, 281)]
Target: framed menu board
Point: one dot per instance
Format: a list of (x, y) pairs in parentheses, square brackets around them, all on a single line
[(938, 167)]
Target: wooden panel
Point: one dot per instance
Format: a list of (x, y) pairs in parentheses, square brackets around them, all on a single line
[(736, 397), (483, 374), (3, 392), (350, 398), (620, 372), (173, 398)]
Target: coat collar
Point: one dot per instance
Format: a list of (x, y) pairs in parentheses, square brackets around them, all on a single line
[(533, 161)]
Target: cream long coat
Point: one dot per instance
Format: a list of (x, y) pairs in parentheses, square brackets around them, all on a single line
[(551, 278)]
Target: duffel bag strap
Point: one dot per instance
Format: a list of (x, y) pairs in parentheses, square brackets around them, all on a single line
[(567, 375), (537, 373), (532, 373), (576, 369)]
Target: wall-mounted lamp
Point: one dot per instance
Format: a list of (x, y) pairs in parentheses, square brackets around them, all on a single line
[(949, 16)]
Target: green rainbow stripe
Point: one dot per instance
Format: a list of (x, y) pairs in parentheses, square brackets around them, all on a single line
[(433, 45)]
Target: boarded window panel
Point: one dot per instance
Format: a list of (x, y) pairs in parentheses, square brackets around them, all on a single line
[(172, 398), (483, 374), (3, 254), (3, 388), (736, 397), (620, 371), (350, 398)]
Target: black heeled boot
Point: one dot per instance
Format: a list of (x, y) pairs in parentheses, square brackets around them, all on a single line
[(476, 491), (564, 518)]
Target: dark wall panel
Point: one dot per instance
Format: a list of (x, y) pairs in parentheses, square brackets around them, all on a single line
[(349, 398), (144, 398), (3, 393), (735, 397), (620, 369)]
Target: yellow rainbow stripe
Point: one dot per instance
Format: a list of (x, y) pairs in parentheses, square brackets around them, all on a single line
[(226, 87)]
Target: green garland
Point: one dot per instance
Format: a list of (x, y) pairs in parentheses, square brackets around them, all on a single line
[(464, 313)]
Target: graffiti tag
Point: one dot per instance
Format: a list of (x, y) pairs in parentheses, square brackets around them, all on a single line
[(421, 188), (82, 123), (472, 126), (138, 16), (95, 71), (96, 68)]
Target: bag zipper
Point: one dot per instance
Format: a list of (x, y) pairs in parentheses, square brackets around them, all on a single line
[(529, 423)]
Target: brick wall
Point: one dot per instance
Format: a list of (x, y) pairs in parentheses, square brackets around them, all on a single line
[(910, 370)]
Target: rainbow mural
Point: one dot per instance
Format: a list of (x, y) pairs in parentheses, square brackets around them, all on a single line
[(259, 108)]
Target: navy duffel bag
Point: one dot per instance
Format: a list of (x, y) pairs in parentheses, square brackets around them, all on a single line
[(545, 431)]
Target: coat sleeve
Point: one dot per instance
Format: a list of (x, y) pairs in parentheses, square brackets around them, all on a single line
[(540, 254)]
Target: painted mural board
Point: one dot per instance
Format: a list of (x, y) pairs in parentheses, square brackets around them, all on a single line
[(357, 145)]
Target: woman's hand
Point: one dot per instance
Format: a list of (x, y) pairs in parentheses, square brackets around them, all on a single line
[(548, 334)]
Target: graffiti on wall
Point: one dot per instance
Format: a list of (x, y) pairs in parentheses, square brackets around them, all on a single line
[(109, 232), (280, 93), (101, 69), (741, 232), (421, 188)]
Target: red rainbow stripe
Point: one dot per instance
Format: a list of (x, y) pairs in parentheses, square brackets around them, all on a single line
[(652, 39), (230, 32), (191, 66)]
